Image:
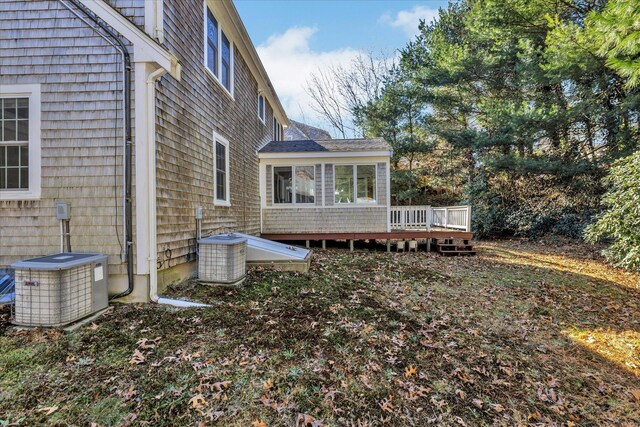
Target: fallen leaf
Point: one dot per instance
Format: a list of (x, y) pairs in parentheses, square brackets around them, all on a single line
[(410, 371), (267, 385), (386, 405), (635, 393), (137, 358), (477, 403), (497, 407), (258, 423), (197, 401), (48, 410)]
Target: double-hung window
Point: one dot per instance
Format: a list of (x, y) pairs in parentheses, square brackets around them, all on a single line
[(221, 171), (262, 109), (212, 43), (19, 142), (294, 184), (277, 130), (355, 184), (218, 51)]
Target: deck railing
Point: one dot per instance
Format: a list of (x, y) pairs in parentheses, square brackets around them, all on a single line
[(410, 217), (425, 217)]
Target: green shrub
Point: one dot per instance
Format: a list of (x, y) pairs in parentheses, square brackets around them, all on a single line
[(621, 221)]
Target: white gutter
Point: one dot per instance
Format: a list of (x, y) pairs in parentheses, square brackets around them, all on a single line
[(323, 154)]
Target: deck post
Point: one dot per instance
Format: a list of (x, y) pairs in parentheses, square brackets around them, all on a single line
[(307, 244), (388, 245), (324, 244), (429, 244), (351, 245)]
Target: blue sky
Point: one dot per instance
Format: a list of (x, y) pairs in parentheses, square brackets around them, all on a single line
[(296, 38)]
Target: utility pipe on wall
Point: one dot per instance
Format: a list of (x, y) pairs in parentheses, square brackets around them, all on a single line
[(119, 45)]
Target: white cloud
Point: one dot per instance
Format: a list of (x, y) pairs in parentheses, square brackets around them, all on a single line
[(408, 20), (290, 61)]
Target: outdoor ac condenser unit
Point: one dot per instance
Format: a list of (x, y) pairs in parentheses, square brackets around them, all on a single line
[(59, 289), (222, 259)]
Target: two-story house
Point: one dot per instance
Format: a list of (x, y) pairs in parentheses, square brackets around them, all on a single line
[(132, 113)]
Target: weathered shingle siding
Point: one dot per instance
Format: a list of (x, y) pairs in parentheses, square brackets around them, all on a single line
[(81, 131), (133, 10), (324, 220), (329, 195), (189, 112), (318, 184), (381, 183)]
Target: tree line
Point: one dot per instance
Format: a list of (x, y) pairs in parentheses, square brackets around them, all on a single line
[(521, 108)]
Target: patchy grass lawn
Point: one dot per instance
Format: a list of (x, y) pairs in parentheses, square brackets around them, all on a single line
[(523, 334)]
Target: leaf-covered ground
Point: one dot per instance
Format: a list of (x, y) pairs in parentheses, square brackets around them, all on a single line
[(522, 334)]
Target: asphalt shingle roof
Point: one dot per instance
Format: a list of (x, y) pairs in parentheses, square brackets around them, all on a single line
[(336, 145), (298, 131)]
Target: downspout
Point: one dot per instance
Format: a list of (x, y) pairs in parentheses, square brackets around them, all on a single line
[(119, 45), (150, 117), (151, 179)]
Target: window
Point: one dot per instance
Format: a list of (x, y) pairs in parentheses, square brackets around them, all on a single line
[(261, 109), (212, 43), (355, 184), (221, 170), (305, 184), (294, 180), (19, 142), (344, 184), (366, 183), (277, 130), (218, 52), (225, 69), (282, 184)]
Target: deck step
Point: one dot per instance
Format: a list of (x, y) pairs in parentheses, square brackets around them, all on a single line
[(453, 246)]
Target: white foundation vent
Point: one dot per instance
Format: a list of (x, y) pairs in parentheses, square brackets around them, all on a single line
[(222, 259), (59, 289)]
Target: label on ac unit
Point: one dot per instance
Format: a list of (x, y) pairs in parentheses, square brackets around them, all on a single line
[(98, 273)]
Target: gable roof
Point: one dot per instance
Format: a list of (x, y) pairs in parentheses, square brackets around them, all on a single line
[(358, 145), (226, 11), (299, 131)]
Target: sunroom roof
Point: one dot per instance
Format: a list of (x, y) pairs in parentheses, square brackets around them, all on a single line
[(329, 145)]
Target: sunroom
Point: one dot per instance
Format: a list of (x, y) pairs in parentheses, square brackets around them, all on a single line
[(339, 189), (329, 186)]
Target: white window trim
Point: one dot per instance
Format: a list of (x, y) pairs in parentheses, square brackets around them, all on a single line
[(293, 189), (218, 202), (218, 79), (32, 91), (262, 113), (355, 202)]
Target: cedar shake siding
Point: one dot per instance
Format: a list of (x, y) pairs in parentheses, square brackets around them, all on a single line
[(80, 78), (325, 220), (189, 111)]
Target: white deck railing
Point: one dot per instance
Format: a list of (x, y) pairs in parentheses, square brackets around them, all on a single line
[(410, 217), (425, 217)]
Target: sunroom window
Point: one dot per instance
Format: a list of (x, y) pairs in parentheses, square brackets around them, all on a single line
[(294, 184), (355, 184)]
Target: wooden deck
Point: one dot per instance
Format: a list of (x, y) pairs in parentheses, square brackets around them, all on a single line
[(392, 235)]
